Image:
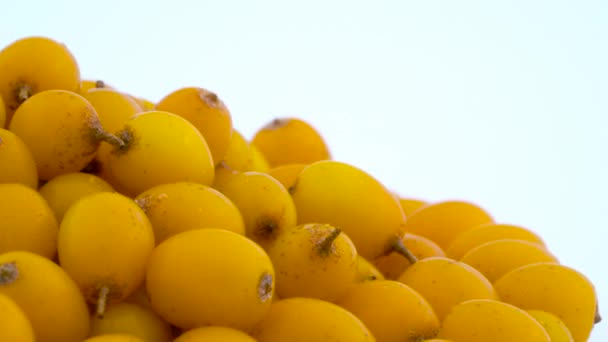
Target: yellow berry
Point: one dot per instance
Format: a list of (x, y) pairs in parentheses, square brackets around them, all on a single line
[(442, 222), (289, 141), (557, 330), (265, 204), (14, 324), (206, 112), (313, 260), (210, 277), (34, 64), (27, 223), (17, 162), (392, 311), (214, 334), (486, 233), (557, 289), (127, 318), (496, 258), (490, 320), (159, 148), (309, 319), (176, 207), (47, 295), (64, 190), (445, 283), (115, 338), (114, 109), (346, 197), (104, 243), (61, 129)]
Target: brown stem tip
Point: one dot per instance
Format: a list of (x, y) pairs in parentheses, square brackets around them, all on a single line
[(210, 98), (598, 316), (102, 301), (127, 137), (265, 287), (399, 247), (276, 124), (8, 273)]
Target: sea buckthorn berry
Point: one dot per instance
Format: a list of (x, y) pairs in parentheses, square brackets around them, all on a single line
[(553, 288), (34, 64), (490, 320), (207, 112), (17, 163), (210, 277), (290, 140), (46, 294), (159, 148)]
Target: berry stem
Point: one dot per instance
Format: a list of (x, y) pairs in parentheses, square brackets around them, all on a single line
[(265, 287), (325, 245), (110, 138), (399, 247), (102, 301)]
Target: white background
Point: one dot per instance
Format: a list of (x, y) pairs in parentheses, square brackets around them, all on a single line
[(502, 103)]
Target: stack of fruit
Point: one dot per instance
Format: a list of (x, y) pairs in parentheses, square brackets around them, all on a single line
[(124, 220)]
